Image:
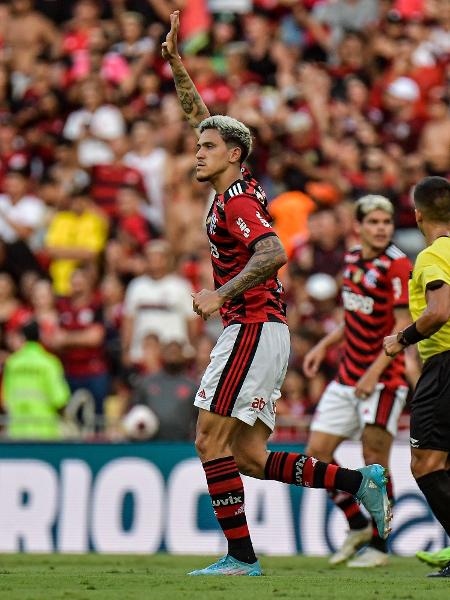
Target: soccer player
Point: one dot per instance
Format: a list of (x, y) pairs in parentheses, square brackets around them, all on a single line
[(369, 392), (429, 303), (239, 389)]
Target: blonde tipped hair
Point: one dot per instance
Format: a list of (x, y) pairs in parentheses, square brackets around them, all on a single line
[(231, 131), (371, 202)]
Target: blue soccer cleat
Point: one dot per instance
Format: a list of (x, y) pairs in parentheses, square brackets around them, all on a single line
[(227, 565), (373, 495)]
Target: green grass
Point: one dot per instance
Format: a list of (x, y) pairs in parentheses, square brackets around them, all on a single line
[(162, 577)]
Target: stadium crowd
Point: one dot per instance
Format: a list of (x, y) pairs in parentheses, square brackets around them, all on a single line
[(102, 220)]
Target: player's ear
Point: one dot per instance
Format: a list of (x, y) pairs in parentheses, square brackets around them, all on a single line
[(419, 215), (235, 155)]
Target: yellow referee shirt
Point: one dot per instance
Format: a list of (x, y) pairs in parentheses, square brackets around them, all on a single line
[(432, 264)]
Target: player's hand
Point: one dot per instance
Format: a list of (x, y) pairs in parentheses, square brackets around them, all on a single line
[(169, 48), (313, 360), (366, 386), (391, 346), (206, 302)]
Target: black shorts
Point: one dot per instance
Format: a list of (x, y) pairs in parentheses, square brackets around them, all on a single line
[(430, 405)]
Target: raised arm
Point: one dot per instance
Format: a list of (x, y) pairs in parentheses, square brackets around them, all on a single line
[(191, 102)]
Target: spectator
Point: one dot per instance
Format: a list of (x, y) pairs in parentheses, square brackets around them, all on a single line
[(170, 394), (324, 247), (152, 161), (28, 34), (109, 176), (34, 390), (21, 216), (94, 124), (43, 304), (75, 235), (79, 341), (158, 302)]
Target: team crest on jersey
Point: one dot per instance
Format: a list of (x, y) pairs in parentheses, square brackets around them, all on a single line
[(370, 278), (357, 275)]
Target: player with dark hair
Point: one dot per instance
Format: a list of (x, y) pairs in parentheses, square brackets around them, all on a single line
[(241, 385), (368, 394), (429, 303)]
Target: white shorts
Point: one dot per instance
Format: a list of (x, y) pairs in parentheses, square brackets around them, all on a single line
[(247, 368), (341, 413)]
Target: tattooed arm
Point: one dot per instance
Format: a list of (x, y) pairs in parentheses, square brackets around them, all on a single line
[(268, 257), (191, 102)]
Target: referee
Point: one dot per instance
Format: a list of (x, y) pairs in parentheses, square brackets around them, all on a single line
[(429, 303)]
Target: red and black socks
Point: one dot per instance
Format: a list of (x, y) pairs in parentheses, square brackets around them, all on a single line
[(307, 471), (227, 496)]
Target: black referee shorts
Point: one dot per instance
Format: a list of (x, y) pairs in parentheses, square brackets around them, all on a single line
[(430, 405)]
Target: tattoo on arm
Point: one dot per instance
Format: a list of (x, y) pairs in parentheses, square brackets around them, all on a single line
[(269, 256), (191, 102)]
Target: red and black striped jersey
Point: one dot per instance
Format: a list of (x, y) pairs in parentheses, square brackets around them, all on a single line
[(371, 290), (237, 220)]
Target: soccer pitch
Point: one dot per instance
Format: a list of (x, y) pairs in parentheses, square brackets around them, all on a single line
[(162, 577)]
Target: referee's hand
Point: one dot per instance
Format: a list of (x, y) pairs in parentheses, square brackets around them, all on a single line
[(391, 346)]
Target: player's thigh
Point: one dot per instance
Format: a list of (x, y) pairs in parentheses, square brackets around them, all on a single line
[(383, 408), (249, 448), (337, 414), (255, 399)]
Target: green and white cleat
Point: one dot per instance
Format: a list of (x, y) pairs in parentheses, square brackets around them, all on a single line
[(439, 559), (227, 565), (373, 495)]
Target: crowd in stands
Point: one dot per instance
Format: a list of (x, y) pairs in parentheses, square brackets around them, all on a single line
[(102, 220)]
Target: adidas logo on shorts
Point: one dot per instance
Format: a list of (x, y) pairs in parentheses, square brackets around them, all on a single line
[(202, 394)]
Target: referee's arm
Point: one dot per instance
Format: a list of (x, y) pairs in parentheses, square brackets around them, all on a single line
[(435, 316)]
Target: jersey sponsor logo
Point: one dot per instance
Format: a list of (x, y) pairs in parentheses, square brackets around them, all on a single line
[(243, 227), (214, 250), (262, 219), (357, 303)]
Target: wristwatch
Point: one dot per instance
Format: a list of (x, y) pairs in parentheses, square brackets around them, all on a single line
[(401, 339)]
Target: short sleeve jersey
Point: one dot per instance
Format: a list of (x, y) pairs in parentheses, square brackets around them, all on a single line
[(371, 290), (432, 265), (237, 220)]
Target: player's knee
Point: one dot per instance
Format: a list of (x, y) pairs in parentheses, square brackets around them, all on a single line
[(422, 465), (209, 446)]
